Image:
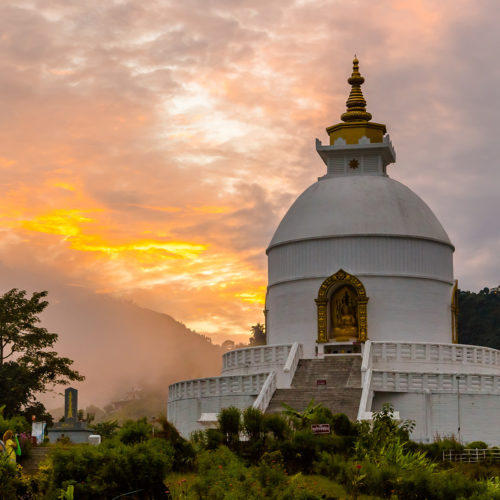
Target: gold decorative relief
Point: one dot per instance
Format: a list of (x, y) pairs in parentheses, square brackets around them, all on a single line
[(342, 303), (354, 164)]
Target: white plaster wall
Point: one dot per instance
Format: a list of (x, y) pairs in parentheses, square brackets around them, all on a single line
[(399, 309), (184, 413), (292, 314), (438, 414), (367, 255)]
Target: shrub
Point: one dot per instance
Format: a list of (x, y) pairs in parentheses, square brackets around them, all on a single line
[(134, 431), (342, 426), (480, 445), (442, 444), (276, 425), (253, 422), (329, 465), (16, 424), (300, 452), (13, 484), (229, 420), (106, 429), (112, 468)]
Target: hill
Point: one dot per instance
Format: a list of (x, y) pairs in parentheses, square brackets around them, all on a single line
[(479, 318)]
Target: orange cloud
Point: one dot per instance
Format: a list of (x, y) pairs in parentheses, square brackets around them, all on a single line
[(150, 151)]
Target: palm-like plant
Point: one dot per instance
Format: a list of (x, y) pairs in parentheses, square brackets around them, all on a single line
[(301, 419)]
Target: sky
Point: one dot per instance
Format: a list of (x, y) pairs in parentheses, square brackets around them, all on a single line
[(149, 149)]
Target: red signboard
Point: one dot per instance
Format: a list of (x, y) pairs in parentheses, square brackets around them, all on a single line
[(321, 382), (320, 428)]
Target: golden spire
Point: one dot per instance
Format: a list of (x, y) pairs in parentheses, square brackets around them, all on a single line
[(356, 104), (356, 122)]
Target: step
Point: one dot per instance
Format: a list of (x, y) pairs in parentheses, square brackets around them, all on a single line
[(37, 455), (334, 381)]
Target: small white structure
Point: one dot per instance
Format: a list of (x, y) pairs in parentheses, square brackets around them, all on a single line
[(95, 439), (360, 306)]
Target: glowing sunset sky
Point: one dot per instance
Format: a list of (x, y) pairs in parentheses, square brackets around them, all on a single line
[(150, 148)]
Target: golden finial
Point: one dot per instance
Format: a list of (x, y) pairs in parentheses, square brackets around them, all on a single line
[(356, 122), (356, 104)]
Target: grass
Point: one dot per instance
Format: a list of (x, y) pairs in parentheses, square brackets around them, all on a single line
[(180, 485)]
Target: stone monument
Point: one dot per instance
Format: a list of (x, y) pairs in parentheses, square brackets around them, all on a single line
[(70, 426)]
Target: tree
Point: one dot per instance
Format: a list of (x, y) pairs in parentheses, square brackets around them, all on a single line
[(479, 318), (258, 335), (27, 365)]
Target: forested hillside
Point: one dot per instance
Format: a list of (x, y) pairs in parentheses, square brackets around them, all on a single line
[(479, 318)]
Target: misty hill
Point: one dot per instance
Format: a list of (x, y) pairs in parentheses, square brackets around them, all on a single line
[(479, 318), (118, 345)]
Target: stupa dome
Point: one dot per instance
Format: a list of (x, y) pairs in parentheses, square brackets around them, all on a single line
[(358, 205)]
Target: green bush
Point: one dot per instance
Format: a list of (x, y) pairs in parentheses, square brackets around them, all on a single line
[(253, 423), (277, 425), (329, 465), (13, 484), (446, 485), (134, 431), (229, 420), (16, 424), (442, 444), (112, 468), (480, 445), (342, 426), (106, 429)]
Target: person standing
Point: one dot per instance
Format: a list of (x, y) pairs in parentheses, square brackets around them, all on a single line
[(10, 445)]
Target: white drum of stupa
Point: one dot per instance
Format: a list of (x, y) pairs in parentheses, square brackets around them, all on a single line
[(359, 256)]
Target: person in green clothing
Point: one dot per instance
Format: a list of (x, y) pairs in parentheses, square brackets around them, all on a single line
[(11, 445)]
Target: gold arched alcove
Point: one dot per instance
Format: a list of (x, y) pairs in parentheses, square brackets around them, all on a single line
[(341, 306)]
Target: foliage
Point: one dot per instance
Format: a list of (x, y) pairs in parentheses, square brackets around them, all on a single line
[(276, 425), (393, 453), (221, 475), (301, 419), (229, 420), (383, 429), (27, 366), (441, 444), (480, 445), (69, 494), (258, 336), (16, 424), (112, 468), (12, 482), (253, 422), (134, 431), (106, 429), (479, 318)]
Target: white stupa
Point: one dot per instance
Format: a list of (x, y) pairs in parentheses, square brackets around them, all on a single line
[(360, 306)]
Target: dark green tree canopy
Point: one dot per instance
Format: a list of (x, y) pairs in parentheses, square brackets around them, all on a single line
[(27, 363), (258, 335), (479, 318)]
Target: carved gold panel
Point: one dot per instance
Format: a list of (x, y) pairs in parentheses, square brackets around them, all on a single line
[(338, 281)]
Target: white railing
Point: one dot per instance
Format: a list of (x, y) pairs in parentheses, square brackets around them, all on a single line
[(266, 393), (404, 381), (254, 356), (472, 455), (367, 360), (365, 402), (217, 386), (292, 361), (435, 357)]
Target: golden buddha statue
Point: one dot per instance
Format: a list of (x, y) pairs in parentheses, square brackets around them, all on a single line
[(343, 309)]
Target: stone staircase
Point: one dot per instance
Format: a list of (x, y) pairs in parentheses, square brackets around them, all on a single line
[(334, 381), (37, 455)]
